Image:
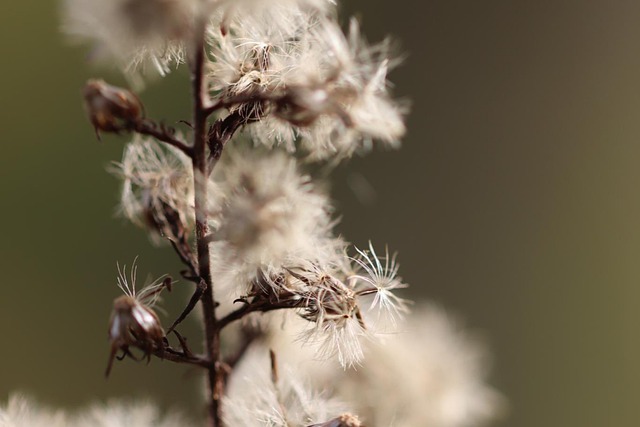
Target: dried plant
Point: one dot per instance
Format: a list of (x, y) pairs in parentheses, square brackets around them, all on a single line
[(275, 85)]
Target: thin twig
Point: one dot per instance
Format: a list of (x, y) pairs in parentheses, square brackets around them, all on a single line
[(220, 133), (173, 355), (183, 343), (230, 101), (163, 134), (193, 301), (185, 257), (258, 306)]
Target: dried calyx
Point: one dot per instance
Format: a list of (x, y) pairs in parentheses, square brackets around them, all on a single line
[(111, 108), (133, 321)]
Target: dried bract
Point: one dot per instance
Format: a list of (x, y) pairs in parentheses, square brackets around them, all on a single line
[(133, 321), (110, 108)]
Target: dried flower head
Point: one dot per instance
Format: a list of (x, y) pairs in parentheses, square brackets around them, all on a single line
[(133, 321), (268, 213), (308, 80), (334, 326), (157, 187)]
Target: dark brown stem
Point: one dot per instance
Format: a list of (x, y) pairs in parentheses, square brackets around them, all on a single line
[(258, 306), (173, 355), (161, 133), (193, 301), (231, 101), (201, 174), (220, 133)]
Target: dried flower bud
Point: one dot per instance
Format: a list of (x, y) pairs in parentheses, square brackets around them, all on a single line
[(157, 190), (110, 108), (132, 323), (344, 420)]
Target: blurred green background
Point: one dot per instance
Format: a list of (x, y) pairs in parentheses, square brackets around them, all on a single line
[(514, 202)]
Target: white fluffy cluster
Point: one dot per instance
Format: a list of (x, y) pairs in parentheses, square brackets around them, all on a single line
[(255, 399), (430, 373), (265, 213), (299, 86), (155, 177), (268, 210), (331, 88), (322, 90), (21, 411), (432, 357), (135, 33), (343, 301)]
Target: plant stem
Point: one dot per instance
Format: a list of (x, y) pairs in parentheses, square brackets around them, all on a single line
[(201, 174)]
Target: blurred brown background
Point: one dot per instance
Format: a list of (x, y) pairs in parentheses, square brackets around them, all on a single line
[(514, 202)]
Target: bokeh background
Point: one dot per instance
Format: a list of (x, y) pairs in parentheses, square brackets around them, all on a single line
[(514, 202)]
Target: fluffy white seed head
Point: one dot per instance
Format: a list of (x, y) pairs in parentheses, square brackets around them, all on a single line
[(376, 278), (337, 338), (157, 185), (336, 327), (325, 88), (431, 372), (437, 371), (327, 294), (267, 213), (21, 411), (133, 32), (256, 399)]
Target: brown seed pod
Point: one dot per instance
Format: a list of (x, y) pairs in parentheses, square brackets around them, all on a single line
[(110, 108), (133, 324)]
